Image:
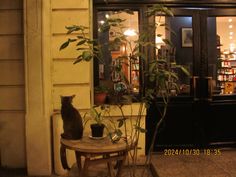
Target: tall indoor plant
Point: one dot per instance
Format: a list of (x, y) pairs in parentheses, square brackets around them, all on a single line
[(160, 73)]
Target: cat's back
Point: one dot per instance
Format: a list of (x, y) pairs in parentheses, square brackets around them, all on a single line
[(72, 120)]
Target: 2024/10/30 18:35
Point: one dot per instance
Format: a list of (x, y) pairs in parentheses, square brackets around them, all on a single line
[(174, 152)]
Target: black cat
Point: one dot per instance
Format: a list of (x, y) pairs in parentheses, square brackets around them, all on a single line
[(72, 120)]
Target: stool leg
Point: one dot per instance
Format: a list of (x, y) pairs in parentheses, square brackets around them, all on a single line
[(85, 167), (78, 161), (120, 165), (110, 169)]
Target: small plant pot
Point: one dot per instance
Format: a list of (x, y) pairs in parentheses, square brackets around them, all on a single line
[(99, 98), (97, 130)]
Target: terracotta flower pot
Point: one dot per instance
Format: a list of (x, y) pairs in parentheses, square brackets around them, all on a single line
[(100, 98)]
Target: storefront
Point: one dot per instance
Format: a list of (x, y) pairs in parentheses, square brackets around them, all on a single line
[(199, 114)]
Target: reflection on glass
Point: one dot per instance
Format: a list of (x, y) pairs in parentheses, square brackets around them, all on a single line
[(112, 55), (178, 31), (222, 56)]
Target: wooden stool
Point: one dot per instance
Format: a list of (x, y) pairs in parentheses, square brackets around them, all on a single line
[(96, 152)]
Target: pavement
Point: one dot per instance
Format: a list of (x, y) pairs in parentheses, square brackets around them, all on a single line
[(208, 163), (169, 163)]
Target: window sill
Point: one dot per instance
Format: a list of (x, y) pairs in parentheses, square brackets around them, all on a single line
[(128, 110)]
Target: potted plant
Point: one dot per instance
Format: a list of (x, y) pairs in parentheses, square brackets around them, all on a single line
[(100, 94), (97, 127), (159, 73), (99, 120)]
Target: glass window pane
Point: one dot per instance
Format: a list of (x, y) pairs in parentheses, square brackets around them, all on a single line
[(117, 56), (178, 31), (222, 58)]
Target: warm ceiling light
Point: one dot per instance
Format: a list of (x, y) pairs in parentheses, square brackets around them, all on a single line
[(230, 37), (230, 26), (130, 32), (230, 20), (231, 33), (107, 15)]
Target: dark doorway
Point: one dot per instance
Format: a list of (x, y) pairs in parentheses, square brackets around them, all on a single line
[(201, 114)]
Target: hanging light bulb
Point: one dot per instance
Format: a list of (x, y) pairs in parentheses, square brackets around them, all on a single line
[(130, 31)]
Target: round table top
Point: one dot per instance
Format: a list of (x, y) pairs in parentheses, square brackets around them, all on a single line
[(97, 146)]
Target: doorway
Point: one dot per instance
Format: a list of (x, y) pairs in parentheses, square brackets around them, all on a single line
[(199, 115)]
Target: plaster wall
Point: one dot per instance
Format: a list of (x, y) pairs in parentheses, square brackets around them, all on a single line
[(12, 85), (68, 79), (34, 75)]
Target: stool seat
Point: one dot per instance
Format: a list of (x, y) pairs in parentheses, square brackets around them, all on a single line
[(96, 151)]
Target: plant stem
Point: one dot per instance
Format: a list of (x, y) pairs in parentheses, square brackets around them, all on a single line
[(149, 156)]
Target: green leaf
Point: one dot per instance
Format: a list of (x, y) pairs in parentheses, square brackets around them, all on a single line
[(140, 129), (78, 60), (120, 124), (72, 40), (81, 48), (64, 45), (86, 55), (81, 42), (174, 75), (118, 132), (71, 29), (168, 42), (80, 37), (167, 11), (172, 31), (183, 69)]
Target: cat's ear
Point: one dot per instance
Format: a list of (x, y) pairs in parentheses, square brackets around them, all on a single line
[(73, 96)]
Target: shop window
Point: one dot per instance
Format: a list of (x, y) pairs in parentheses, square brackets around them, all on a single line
[(115, 56), (177, 49), (222, 61)]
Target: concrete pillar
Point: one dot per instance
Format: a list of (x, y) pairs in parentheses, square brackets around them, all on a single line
[(38, 86)]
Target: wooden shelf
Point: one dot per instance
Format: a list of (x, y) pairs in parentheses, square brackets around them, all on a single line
[(225, 81)]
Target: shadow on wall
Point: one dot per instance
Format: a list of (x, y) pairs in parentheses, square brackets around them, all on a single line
[(2, 125)]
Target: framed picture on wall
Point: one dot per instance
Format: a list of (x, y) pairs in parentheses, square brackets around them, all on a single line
[(187, 37)]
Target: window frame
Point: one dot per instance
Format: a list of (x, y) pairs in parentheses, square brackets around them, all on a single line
[(141, 18)]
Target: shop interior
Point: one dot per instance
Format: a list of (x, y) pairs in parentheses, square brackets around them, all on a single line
[(221, 51)]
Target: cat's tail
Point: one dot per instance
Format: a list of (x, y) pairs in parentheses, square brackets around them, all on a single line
[(63, 158)]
